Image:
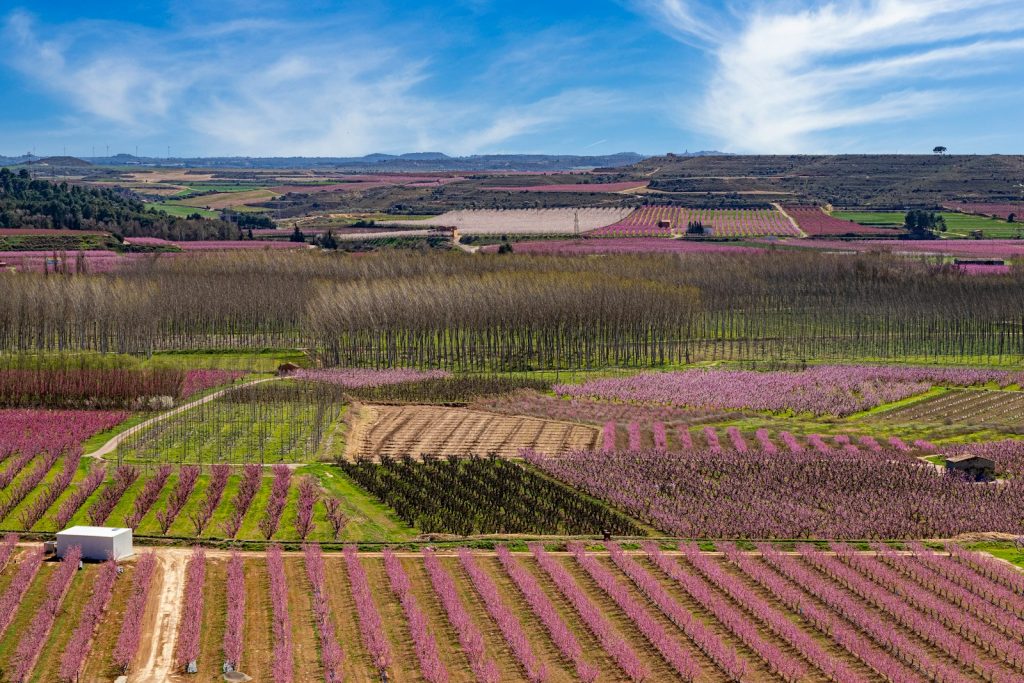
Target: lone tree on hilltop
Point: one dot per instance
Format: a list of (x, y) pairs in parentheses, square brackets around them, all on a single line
[(940, 150)]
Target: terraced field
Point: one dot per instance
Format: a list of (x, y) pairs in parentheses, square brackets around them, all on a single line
[(665, 221), (397, 431)]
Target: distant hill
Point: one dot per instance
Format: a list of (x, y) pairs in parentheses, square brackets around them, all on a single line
[(60, 162), (377, 163), (868, 180)]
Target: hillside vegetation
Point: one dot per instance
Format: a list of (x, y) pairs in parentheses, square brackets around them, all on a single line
[(868, 180), (28, 203)]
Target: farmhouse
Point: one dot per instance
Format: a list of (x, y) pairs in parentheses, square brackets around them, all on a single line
[(974, 466), (97, 542)]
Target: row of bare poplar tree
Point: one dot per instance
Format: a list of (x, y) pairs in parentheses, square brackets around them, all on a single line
[(520, 312)]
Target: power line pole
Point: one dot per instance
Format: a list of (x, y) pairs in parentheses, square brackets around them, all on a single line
[(1020, 203)]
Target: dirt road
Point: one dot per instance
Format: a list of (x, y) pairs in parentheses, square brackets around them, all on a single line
[(160, 633)]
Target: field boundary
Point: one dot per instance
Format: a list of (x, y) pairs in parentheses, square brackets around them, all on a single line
[(778, 207)]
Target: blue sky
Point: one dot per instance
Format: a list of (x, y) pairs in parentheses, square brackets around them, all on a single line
[(314, 78)]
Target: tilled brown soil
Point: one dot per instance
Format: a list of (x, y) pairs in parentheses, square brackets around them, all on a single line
[(433, 430)]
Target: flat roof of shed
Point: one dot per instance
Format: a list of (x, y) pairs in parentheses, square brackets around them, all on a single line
[(967, 457), (95, 531)]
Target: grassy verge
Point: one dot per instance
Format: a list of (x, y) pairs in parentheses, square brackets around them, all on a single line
[(264, 361), (180, 211), (96, 441), (369, 519), (1002, 551)]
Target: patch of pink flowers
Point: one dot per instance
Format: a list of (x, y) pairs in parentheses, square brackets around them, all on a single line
[(356, 378), (243, 245), (201, 380), (624, 245), (820, 390)]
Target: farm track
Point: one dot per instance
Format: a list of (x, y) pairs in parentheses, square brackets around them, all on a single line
[(163, 614), (796, 226), (111, 445), (395, 431)]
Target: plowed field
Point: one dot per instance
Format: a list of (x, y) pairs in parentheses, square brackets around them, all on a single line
[(422, 430)]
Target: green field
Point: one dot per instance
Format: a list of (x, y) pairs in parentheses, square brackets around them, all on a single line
[(57, 242), (270, 423), (959, 224), (181, 211), (368, 519), (256, 361)]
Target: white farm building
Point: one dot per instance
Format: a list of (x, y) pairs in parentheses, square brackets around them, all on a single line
[(97, 542)]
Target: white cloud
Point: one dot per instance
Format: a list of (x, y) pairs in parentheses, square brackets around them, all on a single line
[(787, 75), (514, 122), (683, 20), (257, 86), (114, 85)]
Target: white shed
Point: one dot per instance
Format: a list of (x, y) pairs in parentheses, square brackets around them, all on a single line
[(97, 542)]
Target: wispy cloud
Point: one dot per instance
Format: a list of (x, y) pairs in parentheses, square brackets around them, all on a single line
[(798, 77), (112, 85), (267, 86), (688, 22)]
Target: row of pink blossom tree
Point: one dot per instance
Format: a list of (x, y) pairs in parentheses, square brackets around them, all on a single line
[(485, 670), (202, 515), (28, 567), (542, 607), (188, 475), (235, 618), (186, 650), (124, 476), (131, 624), (148, 495), (281, 624), (656, 634), (331, 654), (278, 497), (78, 646), (36, 634), (431, 666), (248, 487), (371, 630), (504, 616)]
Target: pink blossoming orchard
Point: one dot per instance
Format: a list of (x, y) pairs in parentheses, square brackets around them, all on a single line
[(639, 454), (821, 501)]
